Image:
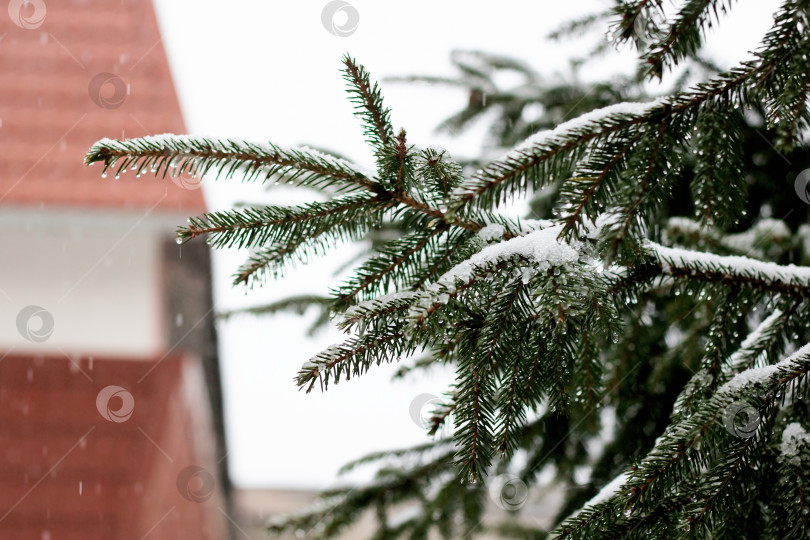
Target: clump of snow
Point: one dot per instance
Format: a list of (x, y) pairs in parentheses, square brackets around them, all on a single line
[(542, 247), (754, 375), (491, 232), (793, 438), (310, 365)]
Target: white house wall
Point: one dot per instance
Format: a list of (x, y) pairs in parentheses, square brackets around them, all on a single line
[(98, 275)]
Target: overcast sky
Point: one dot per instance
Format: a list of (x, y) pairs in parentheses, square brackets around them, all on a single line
[(270, 71)]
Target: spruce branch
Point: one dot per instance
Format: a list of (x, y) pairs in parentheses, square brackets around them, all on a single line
[(474, 425), (353, 358), (534, 163), (336, 509), (766, 340), (756, 385), (677, 454), (474, 412), (369, 106), (400, 260), (366, 315), (684, 34), (717, 150), (789, 488), (288, 234), (440, 173), (547, 156), (174, 155), (297, 303), (345, 217), (785, 90), (601, 171)]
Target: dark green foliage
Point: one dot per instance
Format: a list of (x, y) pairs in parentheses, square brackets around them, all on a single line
[(718, 158), (609, 340)]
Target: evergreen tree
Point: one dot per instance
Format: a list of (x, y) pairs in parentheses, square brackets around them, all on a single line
[(647, 324)]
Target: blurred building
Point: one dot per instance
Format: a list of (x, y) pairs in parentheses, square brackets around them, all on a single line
[(110, 400)]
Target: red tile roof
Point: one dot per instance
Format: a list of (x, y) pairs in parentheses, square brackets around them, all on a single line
[(89, 69), (69, 472)]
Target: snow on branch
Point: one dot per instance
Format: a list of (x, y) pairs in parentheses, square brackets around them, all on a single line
[(770, 373), (589, 122), (703, 266), (542, 249), (549, 144), (588, 513), (541, 246), (609, 490)]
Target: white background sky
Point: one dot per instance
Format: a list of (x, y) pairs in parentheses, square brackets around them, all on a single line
[(266, 70)]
